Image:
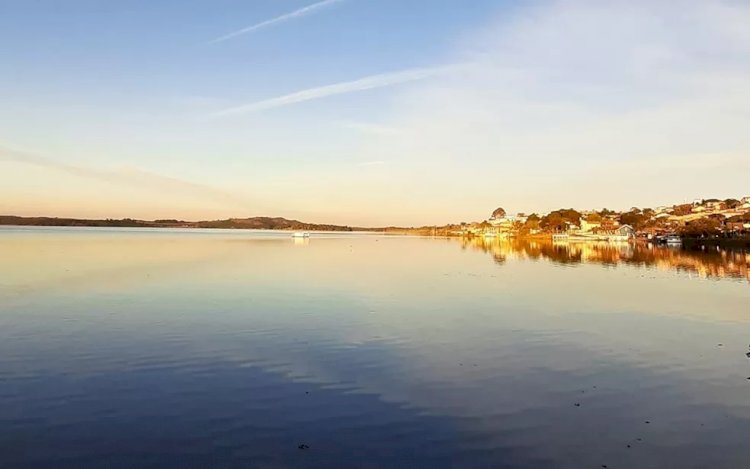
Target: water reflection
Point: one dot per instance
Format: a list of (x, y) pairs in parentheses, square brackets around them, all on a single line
[(177, 349), (712, 263)]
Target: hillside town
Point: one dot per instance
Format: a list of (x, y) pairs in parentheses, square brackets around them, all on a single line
[(701, 219)]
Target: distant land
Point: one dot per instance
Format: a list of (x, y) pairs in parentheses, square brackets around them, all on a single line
[(253, 223), (703, 219)]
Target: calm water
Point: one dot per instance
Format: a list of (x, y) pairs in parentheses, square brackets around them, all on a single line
[(127, 348)]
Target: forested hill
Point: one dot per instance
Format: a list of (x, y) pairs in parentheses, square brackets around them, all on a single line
[(257, 223)]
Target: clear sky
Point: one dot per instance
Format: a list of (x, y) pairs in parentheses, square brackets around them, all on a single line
[(369, 112)]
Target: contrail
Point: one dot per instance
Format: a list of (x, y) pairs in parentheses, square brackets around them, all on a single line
[(304, 11), (367, 83)]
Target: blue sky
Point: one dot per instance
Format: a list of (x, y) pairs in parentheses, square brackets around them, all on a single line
[(369, 112)]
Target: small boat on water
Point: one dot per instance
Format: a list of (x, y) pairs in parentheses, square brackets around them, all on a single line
[(670, 240), (673, 240), (300, 234)]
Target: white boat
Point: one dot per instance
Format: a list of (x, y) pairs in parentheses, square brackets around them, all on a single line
[(300, 234), (673, 240)]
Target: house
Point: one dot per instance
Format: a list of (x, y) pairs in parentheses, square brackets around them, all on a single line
[(737, 227), (589, 226), (626, 231), (714, 205), (521, 218), (745, 201)]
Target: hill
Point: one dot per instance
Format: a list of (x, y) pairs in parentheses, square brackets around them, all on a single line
[(254, 223)]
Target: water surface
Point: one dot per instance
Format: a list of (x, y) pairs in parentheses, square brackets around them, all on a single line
[(180, 348)]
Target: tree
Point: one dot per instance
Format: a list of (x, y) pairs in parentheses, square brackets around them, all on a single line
[(560, 219), (532, 223), (732, 203), (553, 221), (701, 228), (498, 213), (684, 209), (634, 219)]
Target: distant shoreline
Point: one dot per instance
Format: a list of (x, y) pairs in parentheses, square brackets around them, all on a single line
[(258, 223)]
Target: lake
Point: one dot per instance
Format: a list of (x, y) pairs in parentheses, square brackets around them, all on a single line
[(124, 348)]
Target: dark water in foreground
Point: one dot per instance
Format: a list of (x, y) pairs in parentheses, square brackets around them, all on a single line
[(231, 349)]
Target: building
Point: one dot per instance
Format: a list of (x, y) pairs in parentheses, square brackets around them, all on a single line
[(626, 231), (589, 226), (714, 205)]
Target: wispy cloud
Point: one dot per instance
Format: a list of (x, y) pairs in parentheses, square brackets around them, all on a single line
[(304, 11), (367, 83), (372, 163), (561, 99), (132, 177)]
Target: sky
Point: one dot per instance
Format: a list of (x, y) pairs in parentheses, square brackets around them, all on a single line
[(369, 112)]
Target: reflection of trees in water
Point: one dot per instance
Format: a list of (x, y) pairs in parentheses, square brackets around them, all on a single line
[(711, 263), (499, 258)]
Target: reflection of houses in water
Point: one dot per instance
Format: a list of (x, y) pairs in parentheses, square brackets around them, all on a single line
[(593, 231), (705, 264)]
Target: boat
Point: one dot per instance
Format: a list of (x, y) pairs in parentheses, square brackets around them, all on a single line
[(673, 240), (300, 234)]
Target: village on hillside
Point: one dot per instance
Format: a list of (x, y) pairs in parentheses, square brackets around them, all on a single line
[(704, 218)]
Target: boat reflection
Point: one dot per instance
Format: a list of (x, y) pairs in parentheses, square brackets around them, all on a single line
[(714, 263)]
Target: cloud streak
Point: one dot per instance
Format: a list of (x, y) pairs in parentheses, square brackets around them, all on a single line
[(371, 163), (304, 11), (367, 83), (132, 177)]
